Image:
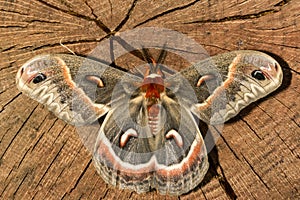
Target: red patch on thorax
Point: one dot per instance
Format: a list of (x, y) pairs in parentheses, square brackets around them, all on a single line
[(153, 87)]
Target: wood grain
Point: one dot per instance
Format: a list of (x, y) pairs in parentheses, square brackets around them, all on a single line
[(257, 155)]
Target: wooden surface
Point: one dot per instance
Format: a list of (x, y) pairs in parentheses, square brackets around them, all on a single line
[(257, 156)]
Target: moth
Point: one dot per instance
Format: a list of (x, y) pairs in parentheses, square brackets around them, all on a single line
[(150, 138)]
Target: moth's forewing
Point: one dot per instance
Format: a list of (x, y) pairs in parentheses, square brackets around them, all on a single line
[(74, 88), (227, 83)]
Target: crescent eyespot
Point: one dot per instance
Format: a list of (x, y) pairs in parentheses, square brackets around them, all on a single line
[(95, 79)]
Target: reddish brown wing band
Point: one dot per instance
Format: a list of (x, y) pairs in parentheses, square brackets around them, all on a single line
[(149, 138)]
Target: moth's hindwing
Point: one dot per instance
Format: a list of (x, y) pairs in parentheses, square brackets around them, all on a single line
[(129, 154), (227, 83)]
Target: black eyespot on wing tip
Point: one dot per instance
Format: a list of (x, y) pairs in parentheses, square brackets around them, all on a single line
[(258, 75), (39, 78)]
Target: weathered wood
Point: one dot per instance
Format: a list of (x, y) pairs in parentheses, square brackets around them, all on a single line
[(257, 156)]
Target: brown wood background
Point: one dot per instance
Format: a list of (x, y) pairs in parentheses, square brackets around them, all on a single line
[(257, 156)]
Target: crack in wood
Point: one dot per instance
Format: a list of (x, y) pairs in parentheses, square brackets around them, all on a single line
[(66, 43), (227, 144), (17, 189), (203, 193), (277, 6), (125, 19), (92, 10), (43, 21), (270, 116), (23, 157), (7, 49), (252, 169), (61, 131), (10, 101), (282, 140), (167, 12), (131, 193), (5, 187), (220, 175), (284, 106), (80, 177), (226, 185), (278, 135), (282, 3), (13, 26), (249, 126), (295, 122), (283, 45), (234, 18), (12, 11), (50, 164), (111, 7), (105, 194), (54, 181), (1, 139), (46, 116), (136, 52), (100, 24), (17, 132), (111, 52), (43, 133), (293, 70), (275, 28), (90, 195), (129, 48)]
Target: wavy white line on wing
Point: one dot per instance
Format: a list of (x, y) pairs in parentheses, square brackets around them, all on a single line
[(39, 92)]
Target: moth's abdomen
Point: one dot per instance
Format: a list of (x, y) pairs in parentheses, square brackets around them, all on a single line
[(152, 88), (154, 117)]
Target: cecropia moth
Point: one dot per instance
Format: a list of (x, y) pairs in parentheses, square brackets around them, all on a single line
[(150, 138)]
